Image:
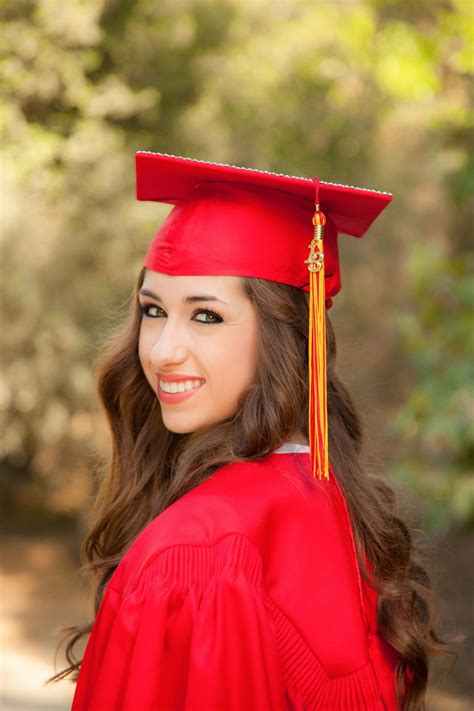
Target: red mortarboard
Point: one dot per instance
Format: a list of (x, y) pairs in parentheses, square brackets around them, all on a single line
[(237, 221)]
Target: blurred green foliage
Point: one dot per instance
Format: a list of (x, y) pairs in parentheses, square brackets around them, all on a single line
[(437, 417), (366, 92)]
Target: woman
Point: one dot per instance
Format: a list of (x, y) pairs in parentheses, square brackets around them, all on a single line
[(243, 559)]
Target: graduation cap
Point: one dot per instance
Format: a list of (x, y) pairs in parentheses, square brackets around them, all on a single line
[(229, 220)]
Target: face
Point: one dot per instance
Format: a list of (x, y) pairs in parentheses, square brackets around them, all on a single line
[(200, 334)]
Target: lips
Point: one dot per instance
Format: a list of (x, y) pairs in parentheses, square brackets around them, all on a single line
[(177, 378)]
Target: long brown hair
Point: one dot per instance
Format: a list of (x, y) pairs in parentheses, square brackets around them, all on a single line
[(151, 467)]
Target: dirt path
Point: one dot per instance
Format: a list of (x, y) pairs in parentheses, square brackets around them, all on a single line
[(40, 591)]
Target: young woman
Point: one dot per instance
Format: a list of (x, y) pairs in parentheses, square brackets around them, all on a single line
[(243, 560)]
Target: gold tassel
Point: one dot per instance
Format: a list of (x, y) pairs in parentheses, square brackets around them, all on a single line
[(317, 405)]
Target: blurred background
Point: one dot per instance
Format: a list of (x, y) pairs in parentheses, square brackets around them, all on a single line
[(373, 93)]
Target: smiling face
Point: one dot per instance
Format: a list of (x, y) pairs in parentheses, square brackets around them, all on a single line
[(200, 334)]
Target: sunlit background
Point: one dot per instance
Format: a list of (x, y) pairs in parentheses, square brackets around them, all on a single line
[(372, 93)]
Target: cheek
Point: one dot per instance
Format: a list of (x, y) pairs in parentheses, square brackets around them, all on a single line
[(235, 362), (141, 349), (144, 348)]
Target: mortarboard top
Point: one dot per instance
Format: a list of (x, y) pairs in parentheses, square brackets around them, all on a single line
[(166, 178), (229, 220), (256, 222)]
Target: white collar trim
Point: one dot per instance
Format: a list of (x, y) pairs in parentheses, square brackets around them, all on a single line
[(291, 447)]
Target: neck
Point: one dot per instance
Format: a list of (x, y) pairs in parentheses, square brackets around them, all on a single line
[(298, 438)]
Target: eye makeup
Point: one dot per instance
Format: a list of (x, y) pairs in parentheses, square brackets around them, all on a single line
[(144, 311)]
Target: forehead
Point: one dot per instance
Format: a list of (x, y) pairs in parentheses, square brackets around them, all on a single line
[(191, 285)]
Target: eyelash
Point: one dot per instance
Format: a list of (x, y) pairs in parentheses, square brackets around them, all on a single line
[(144, 313)]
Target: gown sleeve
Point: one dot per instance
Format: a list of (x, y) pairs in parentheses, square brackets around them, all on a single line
[(174, 645)]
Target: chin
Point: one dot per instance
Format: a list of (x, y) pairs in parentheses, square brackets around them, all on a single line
[(179, 425), (177, 429)]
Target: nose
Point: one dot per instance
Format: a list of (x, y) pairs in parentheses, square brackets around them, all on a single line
[(170, 346)]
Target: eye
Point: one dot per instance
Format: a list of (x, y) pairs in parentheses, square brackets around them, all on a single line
[(144, 310), (216, 318), (210, 316)]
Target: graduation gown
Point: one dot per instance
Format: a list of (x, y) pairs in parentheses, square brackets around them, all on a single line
[(244, 595)]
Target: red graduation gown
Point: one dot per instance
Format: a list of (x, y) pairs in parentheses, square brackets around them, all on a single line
[(244, 595)]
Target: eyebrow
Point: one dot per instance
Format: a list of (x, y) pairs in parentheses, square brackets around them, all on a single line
[(186, 299)]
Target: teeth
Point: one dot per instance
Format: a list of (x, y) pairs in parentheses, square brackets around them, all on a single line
[(181, 387)]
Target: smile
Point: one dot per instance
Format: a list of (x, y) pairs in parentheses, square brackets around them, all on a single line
[(179, 387), (173, 392)]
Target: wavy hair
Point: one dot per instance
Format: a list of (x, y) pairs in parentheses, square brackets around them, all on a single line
[(151, 467)]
